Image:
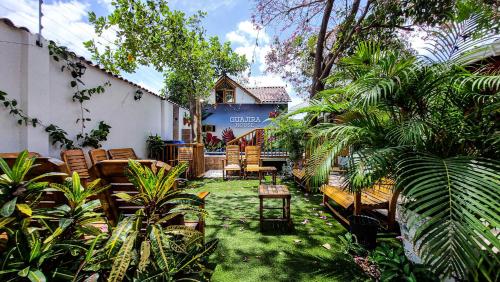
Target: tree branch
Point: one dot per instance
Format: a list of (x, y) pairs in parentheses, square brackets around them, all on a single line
[(318, 57)]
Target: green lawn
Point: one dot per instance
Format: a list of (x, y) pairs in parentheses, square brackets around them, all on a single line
[(246, 254)]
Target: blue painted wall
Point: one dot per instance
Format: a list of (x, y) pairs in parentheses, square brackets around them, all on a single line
[(240, 117)]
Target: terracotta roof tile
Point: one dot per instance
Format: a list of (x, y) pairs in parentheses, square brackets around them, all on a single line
[(270, 94)]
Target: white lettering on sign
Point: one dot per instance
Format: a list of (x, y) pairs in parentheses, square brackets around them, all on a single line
[(244, 119), (245, 122)]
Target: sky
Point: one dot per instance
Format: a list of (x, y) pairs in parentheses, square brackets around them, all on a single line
[(66, 22)]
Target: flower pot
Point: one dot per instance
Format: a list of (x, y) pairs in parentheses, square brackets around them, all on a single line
[(364, 228)]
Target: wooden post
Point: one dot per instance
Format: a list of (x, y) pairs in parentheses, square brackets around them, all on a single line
[(357, 203)]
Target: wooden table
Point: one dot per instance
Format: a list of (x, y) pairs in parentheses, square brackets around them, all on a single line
[(267, 169), (275, 192)]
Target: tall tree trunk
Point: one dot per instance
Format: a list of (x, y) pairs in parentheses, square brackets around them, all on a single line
[(199, 133), (320, 45), (192, 115)]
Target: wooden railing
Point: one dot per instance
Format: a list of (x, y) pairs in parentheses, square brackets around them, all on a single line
[(260, 137), (170, 154)]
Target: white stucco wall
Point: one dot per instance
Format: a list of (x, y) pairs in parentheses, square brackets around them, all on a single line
[(29, 75)]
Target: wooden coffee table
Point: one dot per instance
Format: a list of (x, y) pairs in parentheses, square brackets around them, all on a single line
[(268, 169), (275, 192)]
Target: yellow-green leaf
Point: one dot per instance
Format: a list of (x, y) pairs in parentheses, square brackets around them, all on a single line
[(24, 209)]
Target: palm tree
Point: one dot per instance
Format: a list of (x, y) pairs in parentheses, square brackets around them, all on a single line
[(429, 122)]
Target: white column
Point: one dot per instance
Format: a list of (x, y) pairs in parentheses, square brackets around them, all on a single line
[(163, 119), (36, 93)]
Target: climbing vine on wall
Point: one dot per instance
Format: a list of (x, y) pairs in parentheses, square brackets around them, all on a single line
[(76, 68), (82, 95)]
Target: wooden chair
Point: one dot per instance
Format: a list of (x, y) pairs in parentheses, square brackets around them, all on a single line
[(253, 161), (97, 155), (299, 175), (200, 223), (75, 160), (380, 196), (232, 162), (185, 155), (122, 154)]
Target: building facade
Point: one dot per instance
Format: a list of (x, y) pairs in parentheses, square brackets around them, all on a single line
[(233, 110)]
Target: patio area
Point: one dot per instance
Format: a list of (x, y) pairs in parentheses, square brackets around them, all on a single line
[(273, 255), (264, 140)]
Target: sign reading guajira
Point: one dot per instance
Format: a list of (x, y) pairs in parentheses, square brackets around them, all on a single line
[(244, 121)]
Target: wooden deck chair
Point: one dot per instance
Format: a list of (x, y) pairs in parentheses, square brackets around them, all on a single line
[(185, 155), (253, 161), (75, 160), (232, 162), (97, 155), (380, 196), (122, 154)]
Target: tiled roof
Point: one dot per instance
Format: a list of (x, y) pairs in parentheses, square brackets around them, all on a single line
[(8, 22), (270, 94)]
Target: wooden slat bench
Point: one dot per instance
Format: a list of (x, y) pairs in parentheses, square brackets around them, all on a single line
[(380, 196), (300, 179)]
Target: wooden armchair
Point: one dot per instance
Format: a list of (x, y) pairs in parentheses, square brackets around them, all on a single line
[(253, 162), (381, 196), (97, 155), (232, 162), (122, 154), (75, 160), (185, 155)]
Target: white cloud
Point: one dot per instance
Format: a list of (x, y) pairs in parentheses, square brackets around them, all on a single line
[(251, 42), (244, 39), (66, 24)]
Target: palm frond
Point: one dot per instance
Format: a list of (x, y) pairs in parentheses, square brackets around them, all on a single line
[(456, 201)]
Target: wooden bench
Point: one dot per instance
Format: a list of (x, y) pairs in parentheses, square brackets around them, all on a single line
[(380, 196), (299, 176)]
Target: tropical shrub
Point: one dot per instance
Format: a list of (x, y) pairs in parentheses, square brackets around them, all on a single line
[(155, 146), (74, 242), (285, 132), (17, 193), (141, 246), (395, 266), (431, 123)]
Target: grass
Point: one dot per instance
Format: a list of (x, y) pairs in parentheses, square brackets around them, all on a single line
[(246, 254)]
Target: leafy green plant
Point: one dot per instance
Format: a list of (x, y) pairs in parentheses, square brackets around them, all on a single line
[(79, 217), (96, 136), (59, 135), (429, 123), (395, 266), (155, 146), (18, 194), (143, 246), (348, 245), (284, 132), (11, 105)]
